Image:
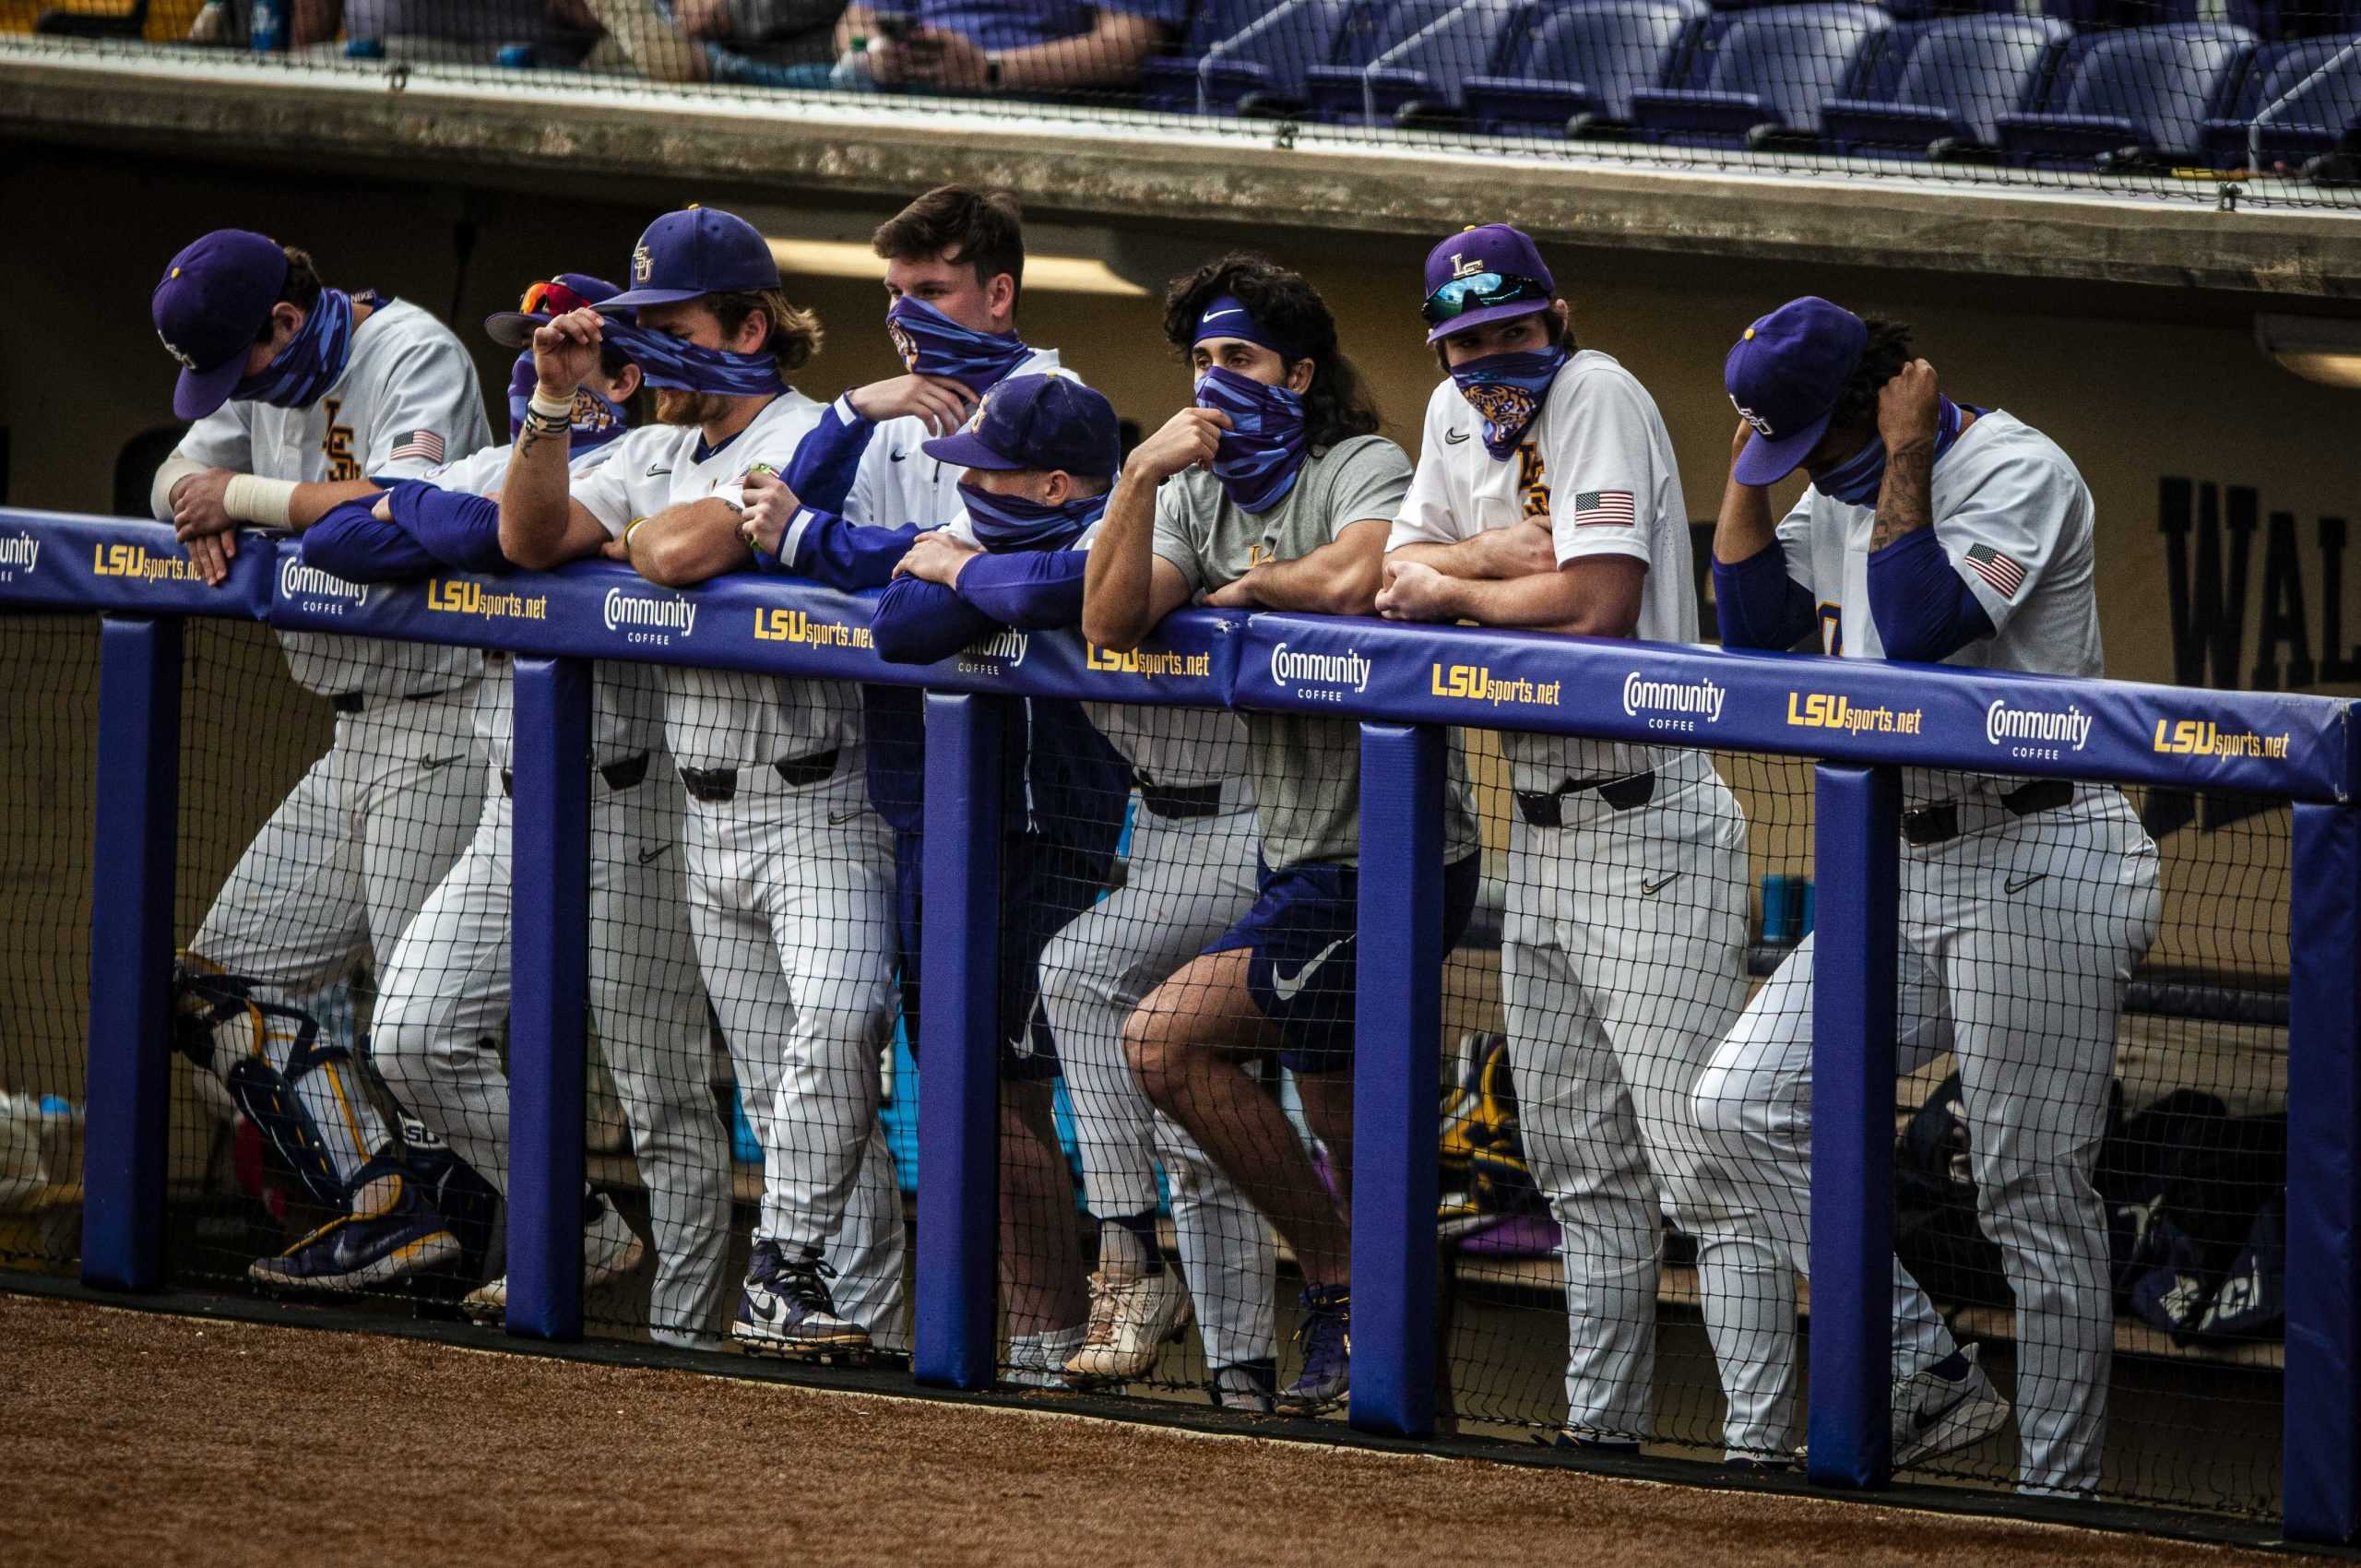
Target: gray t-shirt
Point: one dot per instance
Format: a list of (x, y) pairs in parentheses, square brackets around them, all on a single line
[(1306, 766)]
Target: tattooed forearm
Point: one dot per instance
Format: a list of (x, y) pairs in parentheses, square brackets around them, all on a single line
[(1905, 504)]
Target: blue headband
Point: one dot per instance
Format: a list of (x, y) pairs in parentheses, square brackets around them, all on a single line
[(1225, 315)]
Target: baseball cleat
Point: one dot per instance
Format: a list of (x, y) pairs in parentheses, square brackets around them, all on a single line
[(787, 1310), (1326, 1333), (1132, 1317), (1934, 1415), (609, 1248), (1593, 1440), (391, 1234), (1248, 1387)]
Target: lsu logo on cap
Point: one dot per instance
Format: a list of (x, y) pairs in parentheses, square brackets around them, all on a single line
[(1762, 426), (1461, 267), (642, 266), (186, 362)]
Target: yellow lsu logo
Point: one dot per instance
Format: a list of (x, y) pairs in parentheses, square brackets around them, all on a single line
[(1474, 682), (454, 598), (1823, 710), (337, 445), (135, 561), (795, 626), (2203, 737)]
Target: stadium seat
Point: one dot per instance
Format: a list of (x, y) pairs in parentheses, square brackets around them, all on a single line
[(1339, 90), (1948, 80), (1421, 69), (2149, 91), (1265, 62), (2295, 101), (1588, 61), (1169, 82), (1760, 74)]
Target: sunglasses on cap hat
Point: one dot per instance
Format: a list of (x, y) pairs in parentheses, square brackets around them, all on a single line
[(1481, 292), (551, 298)]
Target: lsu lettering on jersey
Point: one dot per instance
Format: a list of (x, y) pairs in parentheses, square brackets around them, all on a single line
[(722, 717), (408, 400), (1597, 462)]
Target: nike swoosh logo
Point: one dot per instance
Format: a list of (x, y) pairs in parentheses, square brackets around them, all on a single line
[(1652, 888), (1286, 988), (1218, 315), (2018, 885), (895, 456), (1920, 1421), (648, 855), (436, 764), (837, 821), (654, 472), (766, 1308), (1453, 437)]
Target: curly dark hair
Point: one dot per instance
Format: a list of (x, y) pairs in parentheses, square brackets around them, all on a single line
[(1337, 404), (1882, 357)]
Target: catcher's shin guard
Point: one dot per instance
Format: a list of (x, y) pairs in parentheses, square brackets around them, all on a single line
[(218, 1024)]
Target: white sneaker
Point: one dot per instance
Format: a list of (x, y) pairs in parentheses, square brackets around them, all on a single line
[(1934, 1416), (610, 1247), (1132, 1317)]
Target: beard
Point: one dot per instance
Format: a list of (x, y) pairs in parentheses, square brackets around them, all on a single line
[(675, 406)]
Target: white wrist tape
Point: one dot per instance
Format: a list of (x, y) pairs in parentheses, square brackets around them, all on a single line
[(262, 501), (159, 494), (553, 408)]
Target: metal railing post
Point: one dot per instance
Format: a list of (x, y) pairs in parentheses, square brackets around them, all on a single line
[(1397, 1071), (1857, 846), (131, 951), (2321, 1449), (953, 1343), (549, 1011)]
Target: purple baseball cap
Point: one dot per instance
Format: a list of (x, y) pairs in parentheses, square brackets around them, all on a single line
[(1784, 377), (544, 301), (701, 250), (1485, 272), (1037, 422), (210, 309)]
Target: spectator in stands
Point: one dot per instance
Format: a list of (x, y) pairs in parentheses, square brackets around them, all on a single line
[(1024, 46), (423, 30)]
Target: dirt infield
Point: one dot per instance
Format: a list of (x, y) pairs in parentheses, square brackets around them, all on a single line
[(133, 1436)]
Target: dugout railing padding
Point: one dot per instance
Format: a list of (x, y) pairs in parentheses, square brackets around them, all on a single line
[(1860, 723)]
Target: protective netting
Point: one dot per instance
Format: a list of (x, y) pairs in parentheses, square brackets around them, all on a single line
[(2090, 1138), (2167, 98)]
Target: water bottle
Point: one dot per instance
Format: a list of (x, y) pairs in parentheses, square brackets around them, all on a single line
[(266, 30)]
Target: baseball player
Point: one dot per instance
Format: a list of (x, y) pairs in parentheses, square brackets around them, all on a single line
[(1547, 497), (302, 396), (1192, 874), (862, 490), (1942, 533), (443, 1000), (1319, 498), (788, 899)]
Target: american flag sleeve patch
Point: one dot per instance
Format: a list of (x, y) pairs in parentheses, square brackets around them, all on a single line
[(2005, 574), (1604, 508), (424, 445)]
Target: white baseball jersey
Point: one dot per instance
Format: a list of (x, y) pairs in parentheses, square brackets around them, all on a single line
[(626, 698), (720, 718), (2014, 515), (1597, 462), (898, 483), (407, 400)]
